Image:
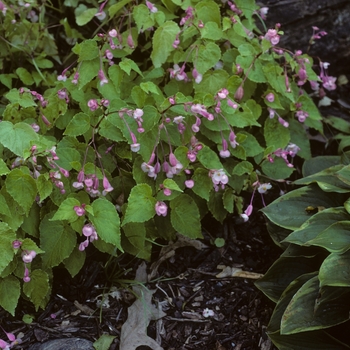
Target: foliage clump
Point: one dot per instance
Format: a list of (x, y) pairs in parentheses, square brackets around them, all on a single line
[(130, 121)]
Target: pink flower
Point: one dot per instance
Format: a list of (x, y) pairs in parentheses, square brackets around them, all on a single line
[(161, 208), (189, 183), (270, 97), (102, 77), (113, 33), (197, 76), (80, 211), (92, 104), (151, 7), (28, 257), (106, 185), (219, 178), (272, 36), (16, 244)]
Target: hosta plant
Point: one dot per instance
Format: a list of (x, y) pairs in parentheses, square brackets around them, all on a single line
[(126, 122), (310, 282)]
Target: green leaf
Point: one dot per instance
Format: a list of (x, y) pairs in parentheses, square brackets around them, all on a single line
[(31, 222), (208, 11), (243, 167), (185, 216), (105, 340), (209, 159), (228, 199), (67, 157), (163, 39), (276, 170), (37, 288), (114, 9), (44, 187), (22, 188), (85, 17), (171, 185), (212, 82), (4, 170), (127, 65), (142, 17), (57, 240), (202, 183), (7, 252), (106, 221), (66, 210), (216, 206), (136, 234), (4, 208), (109, 131), (10, 291), (79, 125), (17, 138), (289, 212), (24, 100), (148, 87), (276, 135), (335, 270), (141, 204), (207, 57), (25, 76), (75, 261), (211, 31)]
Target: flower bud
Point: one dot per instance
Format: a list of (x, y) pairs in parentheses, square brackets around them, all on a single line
[(239, 93)]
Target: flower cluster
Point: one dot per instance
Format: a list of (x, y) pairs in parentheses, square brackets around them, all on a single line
[(91, 183), (219, 178), (291, 150), (91, 235)]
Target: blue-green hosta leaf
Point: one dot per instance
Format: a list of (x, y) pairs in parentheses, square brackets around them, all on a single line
[(37, 288), (335, 238), (307, 312), (10, 290), (316, 224), (335, 270), (18, 138), (312, 340), (57, 240), (106, 221), (185, 216), (163, 39), (22, 188), (141, 204), (327, 179), (289, 212), (282, 273)]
